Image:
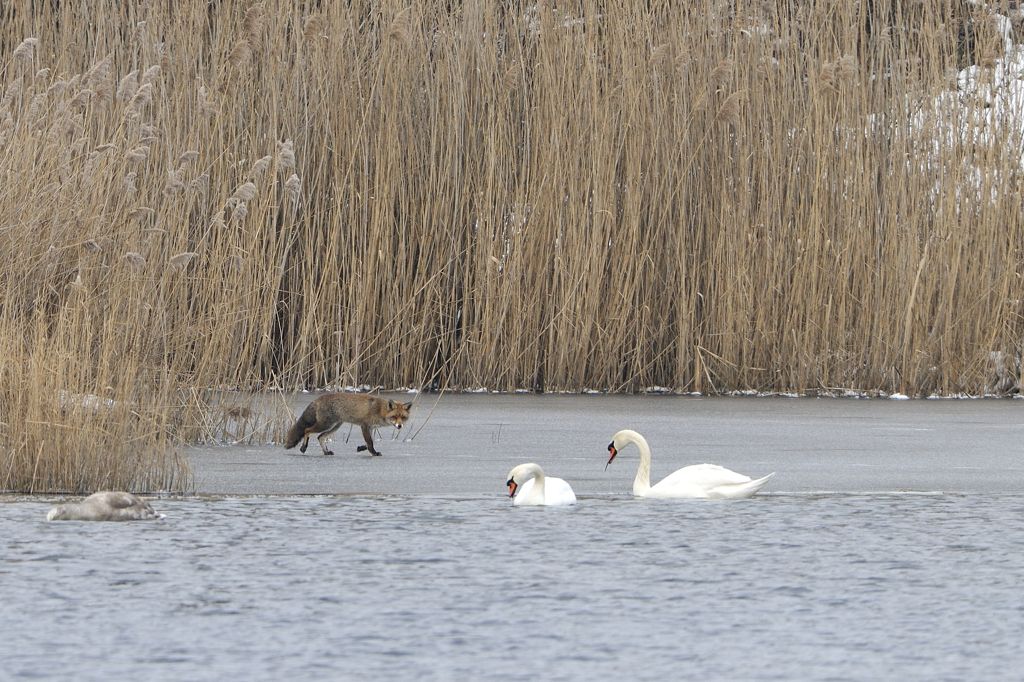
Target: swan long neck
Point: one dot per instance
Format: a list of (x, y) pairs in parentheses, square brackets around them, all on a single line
[(642, 482), (538, 481)]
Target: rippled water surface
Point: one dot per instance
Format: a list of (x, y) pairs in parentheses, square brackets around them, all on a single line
[(782, 586)]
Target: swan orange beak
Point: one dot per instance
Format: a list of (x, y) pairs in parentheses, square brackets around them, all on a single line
[(611, 449), (512, 487)]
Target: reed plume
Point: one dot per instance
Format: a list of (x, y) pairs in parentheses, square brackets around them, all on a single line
[(25, 51), (180, 260)]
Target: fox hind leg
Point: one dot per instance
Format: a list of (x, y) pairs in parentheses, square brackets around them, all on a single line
[(323, 446), (326, 434)]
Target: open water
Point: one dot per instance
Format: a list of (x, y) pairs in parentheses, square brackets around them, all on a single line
[(794, 584), (779, 587)]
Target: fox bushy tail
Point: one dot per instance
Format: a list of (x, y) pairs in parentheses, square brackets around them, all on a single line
[(297, 431)]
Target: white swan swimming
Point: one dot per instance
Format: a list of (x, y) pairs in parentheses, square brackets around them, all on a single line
[(528, 485), (707, 481), (104, 506)]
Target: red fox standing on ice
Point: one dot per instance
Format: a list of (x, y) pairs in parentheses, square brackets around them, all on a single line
[(328, 412)]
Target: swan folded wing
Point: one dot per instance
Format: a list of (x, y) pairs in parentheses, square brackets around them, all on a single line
[(559, 492), (119, 500), (119, 506), (739, 490), (704, 476)]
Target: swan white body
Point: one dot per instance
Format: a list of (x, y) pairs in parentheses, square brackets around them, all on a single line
[(697, 481), (530, 486), (104, 506)]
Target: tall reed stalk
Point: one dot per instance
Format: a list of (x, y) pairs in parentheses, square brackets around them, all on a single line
[(552, 196)]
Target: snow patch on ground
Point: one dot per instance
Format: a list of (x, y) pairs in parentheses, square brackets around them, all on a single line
[(984, 111)]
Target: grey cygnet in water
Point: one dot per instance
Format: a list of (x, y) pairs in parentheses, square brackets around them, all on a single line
[(104, 506)]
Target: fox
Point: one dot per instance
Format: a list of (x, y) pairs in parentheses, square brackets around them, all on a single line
[(328, 412)]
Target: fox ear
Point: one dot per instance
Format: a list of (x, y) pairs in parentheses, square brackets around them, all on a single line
[(391, 404), (408, 405)]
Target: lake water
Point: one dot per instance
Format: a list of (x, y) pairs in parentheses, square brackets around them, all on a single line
[(779, 587), (861, 581)]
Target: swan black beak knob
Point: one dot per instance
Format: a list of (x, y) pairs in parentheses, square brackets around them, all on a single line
[(611, 449)]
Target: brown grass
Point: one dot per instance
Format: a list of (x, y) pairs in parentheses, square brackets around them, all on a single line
[(552, 196)]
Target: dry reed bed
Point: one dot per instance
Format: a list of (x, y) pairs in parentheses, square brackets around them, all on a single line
[(600, 195)]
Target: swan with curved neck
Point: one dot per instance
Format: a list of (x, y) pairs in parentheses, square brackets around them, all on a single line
[(701, 481), (104, 506), (527, 485)]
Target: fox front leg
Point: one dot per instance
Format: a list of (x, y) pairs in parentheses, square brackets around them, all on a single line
[(368, 437)]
